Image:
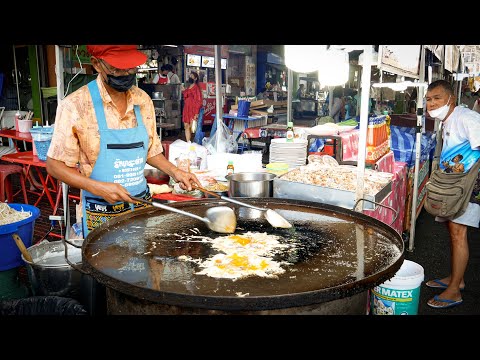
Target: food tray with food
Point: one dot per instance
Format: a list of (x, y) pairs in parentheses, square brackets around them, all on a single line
[(283, 189), (335, 185)]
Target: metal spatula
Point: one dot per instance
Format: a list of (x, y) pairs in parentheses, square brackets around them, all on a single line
[(273, 217), (220, 219)]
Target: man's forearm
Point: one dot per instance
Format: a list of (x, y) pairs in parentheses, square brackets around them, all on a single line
[(68, 175), (160, 162)]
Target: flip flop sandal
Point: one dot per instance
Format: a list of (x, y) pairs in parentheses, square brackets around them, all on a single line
[(448, 303), (438, 284)]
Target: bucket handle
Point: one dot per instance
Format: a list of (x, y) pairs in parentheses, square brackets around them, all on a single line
[(64, 241), (395, 212)]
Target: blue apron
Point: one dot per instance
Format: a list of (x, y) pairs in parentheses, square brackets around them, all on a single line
[(121, 160)]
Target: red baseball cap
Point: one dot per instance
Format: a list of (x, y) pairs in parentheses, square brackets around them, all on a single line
[(119, 56)]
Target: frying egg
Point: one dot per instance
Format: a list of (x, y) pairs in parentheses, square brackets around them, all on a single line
[(244, 255), (235, 266)]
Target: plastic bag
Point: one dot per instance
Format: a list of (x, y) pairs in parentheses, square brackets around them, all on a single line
[(42, 305), (199, 134), (316, 145), (226, 141)]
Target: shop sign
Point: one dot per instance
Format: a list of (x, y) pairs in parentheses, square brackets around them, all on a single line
[(240, 49), (403, 60), (206, 50)]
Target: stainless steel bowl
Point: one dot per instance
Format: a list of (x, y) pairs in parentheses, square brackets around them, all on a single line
[(250, 184)]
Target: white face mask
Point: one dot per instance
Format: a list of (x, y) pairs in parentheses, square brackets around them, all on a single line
[(440, 113)]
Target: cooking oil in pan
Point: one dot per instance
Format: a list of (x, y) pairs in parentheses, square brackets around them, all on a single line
[(325, 250)]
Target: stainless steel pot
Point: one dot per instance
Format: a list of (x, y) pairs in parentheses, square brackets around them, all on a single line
[(50, 274), (157, 95), (250, 184)]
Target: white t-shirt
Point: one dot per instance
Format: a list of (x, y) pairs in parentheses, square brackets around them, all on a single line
[(174, 79), (476, 106), (461, 140)]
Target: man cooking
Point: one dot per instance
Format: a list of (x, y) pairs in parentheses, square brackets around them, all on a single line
[(107, 128)]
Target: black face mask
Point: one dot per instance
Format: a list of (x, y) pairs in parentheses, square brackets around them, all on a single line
[(191, 81), (121, 83)]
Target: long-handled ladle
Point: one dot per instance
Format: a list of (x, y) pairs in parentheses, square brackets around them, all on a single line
[(273, 217), (220, 219)]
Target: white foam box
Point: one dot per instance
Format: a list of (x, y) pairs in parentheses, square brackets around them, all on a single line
[(179, 146)]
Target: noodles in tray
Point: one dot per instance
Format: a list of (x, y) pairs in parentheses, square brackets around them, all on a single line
[(9, 215)]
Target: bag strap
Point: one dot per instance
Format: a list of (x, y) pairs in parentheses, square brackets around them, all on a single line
[(438, 148)]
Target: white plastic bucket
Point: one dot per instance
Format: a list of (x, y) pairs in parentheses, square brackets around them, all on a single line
[(400, 294)]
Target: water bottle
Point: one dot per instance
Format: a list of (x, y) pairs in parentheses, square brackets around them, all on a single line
[(192, 157), (290, 133)]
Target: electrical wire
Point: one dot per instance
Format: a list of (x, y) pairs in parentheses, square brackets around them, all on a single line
[(80, 62)]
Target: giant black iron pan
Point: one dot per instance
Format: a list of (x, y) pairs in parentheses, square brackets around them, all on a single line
[(300, 210)]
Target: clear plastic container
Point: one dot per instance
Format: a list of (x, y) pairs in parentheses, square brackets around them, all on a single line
[(42, 137), (193, 159)]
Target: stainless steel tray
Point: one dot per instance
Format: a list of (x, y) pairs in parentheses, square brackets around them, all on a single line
[(299, 191)]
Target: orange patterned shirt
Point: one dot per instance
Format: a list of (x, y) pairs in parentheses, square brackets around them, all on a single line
[(76, 138)]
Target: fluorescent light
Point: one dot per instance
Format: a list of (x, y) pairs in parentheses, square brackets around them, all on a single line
[(400, 86)]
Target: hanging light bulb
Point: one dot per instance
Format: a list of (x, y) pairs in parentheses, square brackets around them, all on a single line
[(303, 58), (334, 68)]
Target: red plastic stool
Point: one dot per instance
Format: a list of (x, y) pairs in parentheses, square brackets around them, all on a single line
[(6, 184)]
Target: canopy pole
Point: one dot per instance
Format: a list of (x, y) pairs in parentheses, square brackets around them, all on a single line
[(289, 95), (60, 89), (218, 92), (362, 140), (418, 149), (362, 149)]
